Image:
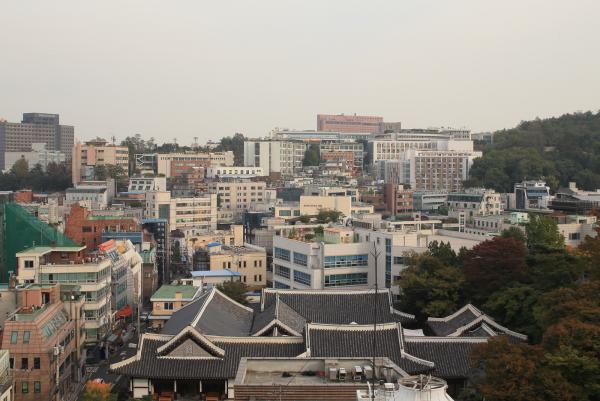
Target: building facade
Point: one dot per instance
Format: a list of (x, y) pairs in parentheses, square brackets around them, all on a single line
[(96, 153), (36, 128), (349, 123), (276, 158), (37, 155), (199, 212)]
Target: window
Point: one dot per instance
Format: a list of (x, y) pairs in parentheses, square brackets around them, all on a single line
[(13, 337), (36, 363), (24, 387), (24, 363), (346, 261), (301, 277), (282, 271), (244, 278), (29, 264), (281, 253), (26, 335), (300, 259), (168, 305), (574, 236), (11, 363), (280, 285), (334, 280), (37, 387)]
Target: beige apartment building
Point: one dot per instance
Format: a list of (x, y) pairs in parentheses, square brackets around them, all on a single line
[(199, 212), (248, 260), (91, 154), (238, 196), (311, 205)]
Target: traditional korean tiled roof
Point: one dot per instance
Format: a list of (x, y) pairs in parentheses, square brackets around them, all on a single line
[(470, 322), (450, 355), (337, 306), (191, 355), (280, 316), (336, 341), (213, 313)]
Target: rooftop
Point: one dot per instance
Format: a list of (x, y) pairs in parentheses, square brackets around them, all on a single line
[(43, 250), (215, 273), (167, 291)]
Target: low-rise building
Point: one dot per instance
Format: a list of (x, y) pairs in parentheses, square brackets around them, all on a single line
[(150, 183), (398, 199), (7, 382), (199, 212), (208, 278), (47, 265), (311, 205), (473, 202), (248, 260), (38, 155), (531, 195), (92, 154), (42, 339), (168, 299), (86, 228), (234, 172)]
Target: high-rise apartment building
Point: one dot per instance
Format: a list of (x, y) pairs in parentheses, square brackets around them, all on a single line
[(349, 123), (36, 128)]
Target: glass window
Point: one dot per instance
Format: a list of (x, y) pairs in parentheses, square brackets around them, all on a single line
[(282, 271), (24, 363), (37, 387), (281, 253), (334, 280), (13, 337), (300, 259), (398, 260), (26, 335), (24, 387), (301, 277), (36, 363), (346, 261), (281, 285), (168, 305)]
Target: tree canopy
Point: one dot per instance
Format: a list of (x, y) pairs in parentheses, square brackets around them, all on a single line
[(57, 177), (558, 150)]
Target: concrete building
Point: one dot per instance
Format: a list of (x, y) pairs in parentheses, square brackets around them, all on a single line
[(356, 149), (473, 202), (429, 201), (92, 154), (238, 196), (35, 128), (531, 195), (440, 170), (7, 383), (234, 172), (164, 161), (168, 299), (345, 257), (398, 200), (44, 343), (318, 136), (199, 212), (209, 278), (249, 261), (92, 197), (349, 123), (311, 205), (71, 265), (145, 184), (276, 158), (37, 155), (328, 190)]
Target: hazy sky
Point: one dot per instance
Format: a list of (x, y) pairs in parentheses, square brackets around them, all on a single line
[(208, 69)]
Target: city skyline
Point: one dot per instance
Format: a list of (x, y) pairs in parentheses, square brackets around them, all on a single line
[(210, 71)]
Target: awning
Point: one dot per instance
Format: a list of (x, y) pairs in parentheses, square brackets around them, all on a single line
[(125, 311)]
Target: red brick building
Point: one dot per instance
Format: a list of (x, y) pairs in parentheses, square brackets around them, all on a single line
[(84, 228), (349, 123), (398, 199)]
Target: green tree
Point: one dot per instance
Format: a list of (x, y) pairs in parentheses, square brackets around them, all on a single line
[(543, 232), (312, 156), (236, 145), (20, 169), (443, 252), (430, 287), (328, 216), (516, 233), (235, 290)]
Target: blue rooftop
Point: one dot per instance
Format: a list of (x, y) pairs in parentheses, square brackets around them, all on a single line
[(216, 243), (215, 273)]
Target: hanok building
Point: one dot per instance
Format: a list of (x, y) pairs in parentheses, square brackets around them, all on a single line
[(204, 345)]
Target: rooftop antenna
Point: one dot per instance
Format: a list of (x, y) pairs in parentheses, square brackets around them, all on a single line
[(375, 253)]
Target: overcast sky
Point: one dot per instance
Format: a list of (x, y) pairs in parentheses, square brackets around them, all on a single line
[(208, 69)]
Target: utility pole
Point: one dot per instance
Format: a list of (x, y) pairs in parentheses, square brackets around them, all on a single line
[(375, 253)]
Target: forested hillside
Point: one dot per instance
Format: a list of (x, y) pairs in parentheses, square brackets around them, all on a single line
[(559, 150)]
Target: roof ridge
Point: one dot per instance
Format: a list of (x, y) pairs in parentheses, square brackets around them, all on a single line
[(466, 307), (257, 339), (191, 331), (491, 322), (233, 300), (435, 339), (327, 292), (352, 327)]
